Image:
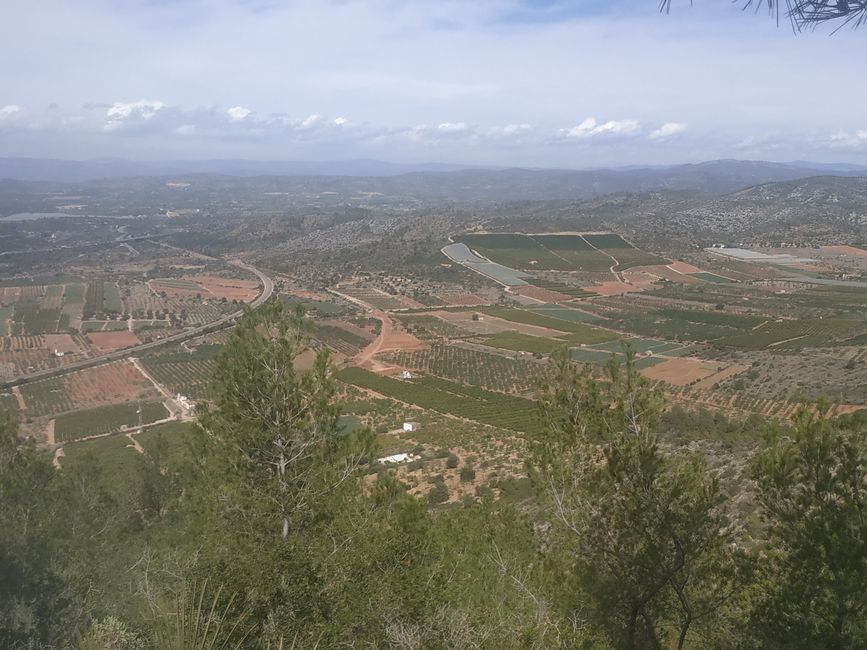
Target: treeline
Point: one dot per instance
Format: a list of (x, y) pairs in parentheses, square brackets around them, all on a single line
[(275, 532)]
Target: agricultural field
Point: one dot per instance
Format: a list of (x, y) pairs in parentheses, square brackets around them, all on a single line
[(106, 419), (30, 319), (340, 339), (109, 341), (111, 302), (186, 373), (456, 298), (493, 372), (316, 307), (118, 381), (581, 333), (625, 254), (577, 251), (558, 287), (518, 342), (380, 299), (429, 328), (451, 398), (5, 318), (537, 252)]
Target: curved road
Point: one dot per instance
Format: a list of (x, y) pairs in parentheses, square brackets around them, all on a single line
[(267, 290)]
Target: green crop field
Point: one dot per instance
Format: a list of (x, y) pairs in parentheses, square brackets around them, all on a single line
[(46, 397), (559, 287), (710, 277), (541, 252), (625, 253), (74, 293), (111, 302), (175, 283), (523, 342), (29, 319), (737, 321), (5, 317), (470, 402), (431, 327), (574, 248), (565, 313), (104, 325), (795, 334), (581, 333), (93, 301), (515, 251), (340, 339), (183, 372), (106, 419), (490, 371)]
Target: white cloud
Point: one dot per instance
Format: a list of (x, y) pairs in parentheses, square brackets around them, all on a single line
[(144, 108), (7, 112), (590, 128), (310, 121), (185, 129), (846, 139), (513, 129), (667, 130), (452, 127), (238, 113), (340, 121), (120, 112)]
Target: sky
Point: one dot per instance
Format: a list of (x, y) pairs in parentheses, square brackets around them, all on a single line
[(536, 83)]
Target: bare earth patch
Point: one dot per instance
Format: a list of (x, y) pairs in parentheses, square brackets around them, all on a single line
[(110, 341), (724, 373), (228, 288), (461, 299), (390, 339), (612, 288), (846, 250), (543, 295), (680, 372), (684, 267), (61, 343), (660, 271), (108, 384)]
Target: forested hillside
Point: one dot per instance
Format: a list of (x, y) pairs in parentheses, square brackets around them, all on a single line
[(269, 525)]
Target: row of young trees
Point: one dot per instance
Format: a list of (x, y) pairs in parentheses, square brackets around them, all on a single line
[(277, 535)]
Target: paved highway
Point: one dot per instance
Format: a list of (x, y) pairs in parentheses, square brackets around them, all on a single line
[(267, 290)]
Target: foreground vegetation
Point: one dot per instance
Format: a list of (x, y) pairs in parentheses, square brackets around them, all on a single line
[(272, 526)]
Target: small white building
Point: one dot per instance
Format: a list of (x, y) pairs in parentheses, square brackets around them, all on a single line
[(398, 458), (406, 374), (411, 426), (58, 353)]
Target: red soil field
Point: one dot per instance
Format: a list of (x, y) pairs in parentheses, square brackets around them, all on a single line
[(114, 382), (110, 341)]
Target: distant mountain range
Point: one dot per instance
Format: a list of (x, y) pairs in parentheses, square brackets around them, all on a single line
[(434, 181)]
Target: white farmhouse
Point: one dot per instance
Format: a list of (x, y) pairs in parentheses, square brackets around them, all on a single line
[(411, 426)]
